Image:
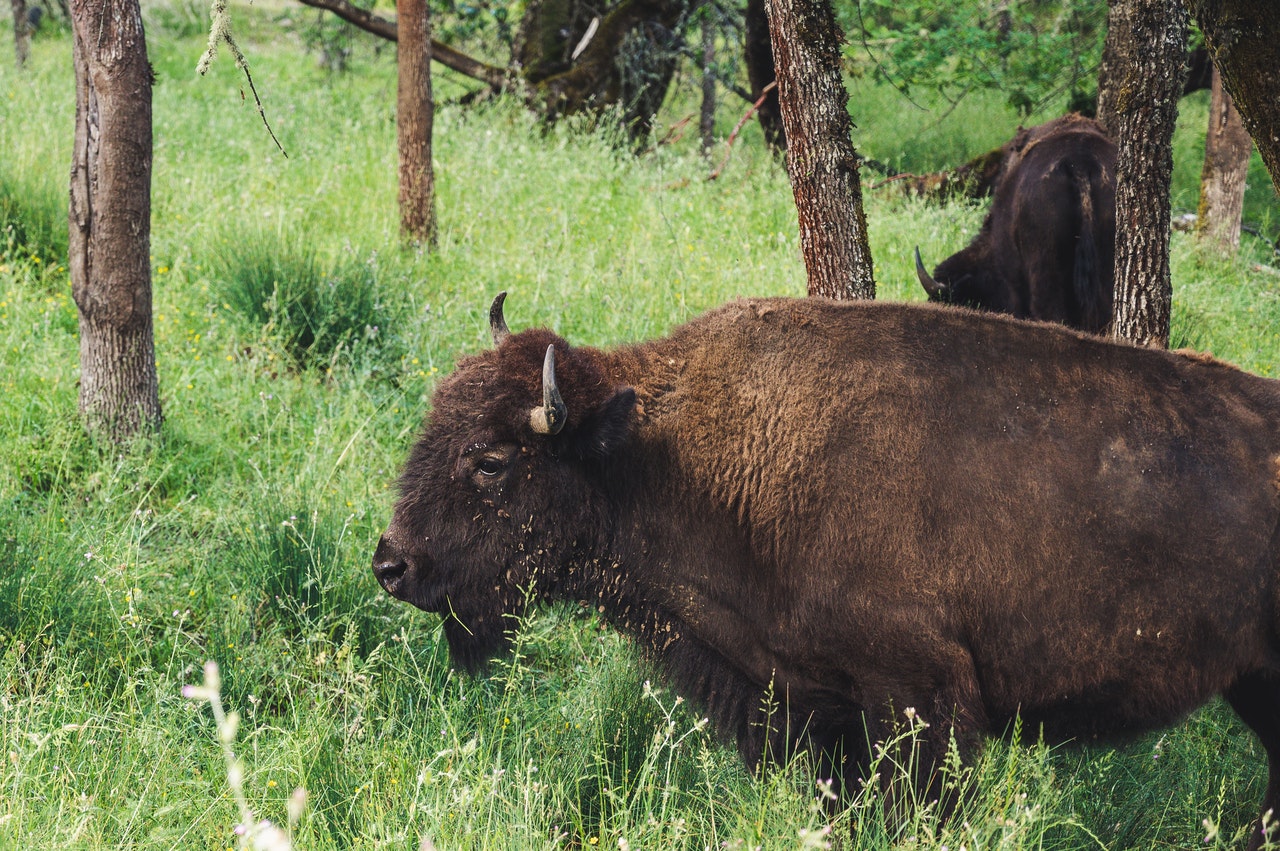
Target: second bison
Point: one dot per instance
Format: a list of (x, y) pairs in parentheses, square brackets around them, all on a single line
[(1047, 247)]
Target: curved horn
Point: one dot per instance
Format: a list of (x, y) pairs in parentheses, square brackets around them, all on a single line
[(498, 325), (932, 287), (553, 414)]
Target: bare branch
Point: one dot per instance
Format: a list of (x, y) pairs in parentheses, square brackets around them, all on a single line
[(440, 52)]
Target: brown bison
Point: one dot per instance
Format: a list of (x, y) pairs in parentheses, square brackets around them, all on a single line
[(1047, 247), (864, 507)]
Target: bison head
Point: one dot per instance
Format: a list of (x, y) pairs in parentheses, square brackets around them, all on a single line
[(502, 497), (960, 279)]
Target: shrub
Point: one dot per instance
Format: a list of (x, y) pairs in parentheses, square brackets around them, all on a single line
[(322, 314), (33, 222)]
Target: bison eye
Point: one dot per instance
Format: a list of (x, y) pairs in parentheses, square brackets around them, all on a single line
[(486, 465)]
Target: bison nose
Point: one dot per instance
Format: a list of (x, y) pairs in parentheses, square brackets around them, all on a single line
[(390, 571), (389, 566)]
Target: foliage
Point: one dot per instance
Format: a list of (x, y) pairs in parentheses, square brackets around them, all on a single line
[(243, 535), (1033, 53)]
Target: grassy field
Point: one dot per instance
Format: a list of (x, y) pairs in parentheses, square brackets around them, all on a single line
[(298, 347)]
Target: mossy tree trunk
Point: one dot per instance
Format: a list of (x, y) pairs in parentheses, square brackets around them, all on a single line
[(110, 220), (415, 113), (820, 158), (21, 32), (1243, 37), (1226, 165), (1150, 39), (707, 117)]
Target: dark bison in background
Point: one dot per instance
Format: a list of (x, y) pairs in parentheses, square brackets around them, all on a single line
[(1047, 247), (865, 507)]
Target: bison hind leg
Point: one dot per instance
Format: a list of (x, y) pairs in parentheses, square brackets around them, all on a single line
[(1256, 699)]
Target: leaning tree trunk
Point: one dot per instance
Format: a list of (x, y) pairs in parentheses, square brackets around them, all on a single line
[(1151, 41), (21, 32), (1243, 37), (1226, 165), (820, 157), (415, 113), (110, 220)]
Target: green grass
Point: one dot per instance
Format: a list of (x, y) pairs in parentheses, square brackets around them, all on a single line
[(243, 534)]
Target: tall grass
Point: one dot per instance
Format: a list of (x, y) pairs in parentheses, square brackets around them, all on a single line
[(243, 535)]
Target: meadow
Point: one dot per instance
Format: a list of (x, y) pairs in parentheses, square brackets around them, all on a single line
[(297, 348)]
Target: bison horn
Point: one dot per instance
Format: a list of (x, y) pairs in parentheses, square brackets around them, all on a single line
[(553, 414), (932, 287), (497, 324)]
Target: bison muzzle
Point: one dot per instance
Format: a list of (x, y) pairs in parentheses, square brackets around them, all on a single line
[(863, 507)]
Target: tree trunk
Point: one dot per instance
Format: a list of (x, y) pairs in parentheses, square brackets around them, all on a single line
[(1243, 37), (110, 220), (1226, 165), (820, 157), (21, 32), (758, 57), (707, 122), (1151, 49), (1109, 69), (415, 112)]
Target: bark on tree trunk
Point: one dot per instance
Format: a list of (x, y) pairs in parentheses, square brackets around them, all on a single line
[(707, 123), (1226, 165), (1151, 40), (110, 220), (758, 56), (415, 113), (21, 32), (820, 157), (1243, 37)]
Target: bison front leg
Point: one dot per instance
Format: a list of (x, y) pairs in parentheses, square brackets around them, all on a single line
[(1256, 699)]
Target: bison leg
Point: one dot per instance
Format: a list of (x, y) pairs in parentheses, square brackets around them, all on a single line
[(914, 753), (1256, 699)]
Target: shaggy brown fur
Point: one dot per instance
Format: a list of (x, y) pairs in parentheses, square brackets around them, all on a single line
[(867, 507), (1047, 247)]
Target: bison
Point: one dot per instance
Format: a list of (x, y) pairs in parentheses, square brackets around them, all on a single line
[(860, 508), (1047, 247)]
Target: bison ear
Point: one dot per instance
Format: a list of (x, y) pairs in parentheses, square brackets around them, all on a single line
[(606, 429)]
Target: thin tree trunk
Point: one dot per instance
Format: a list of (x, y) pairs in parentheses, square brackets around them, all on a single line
[(707, 124), (21, 32), (820, 158), (1151, 36), (1109, 69), (758, 56), (415, 112), (110, 220), (1243, 37), (1226, 165)]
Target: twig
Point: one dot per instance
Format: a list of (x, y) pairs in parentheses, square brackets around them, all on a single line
[(764, 94), (220, 31)]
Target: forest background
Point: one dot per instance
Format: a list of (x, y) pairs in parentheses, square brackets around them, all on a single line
[(297, 348)]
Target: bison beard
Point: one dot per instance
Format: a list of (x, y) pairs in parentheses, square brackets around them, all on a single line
[(1046, 249), (859, 508)]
